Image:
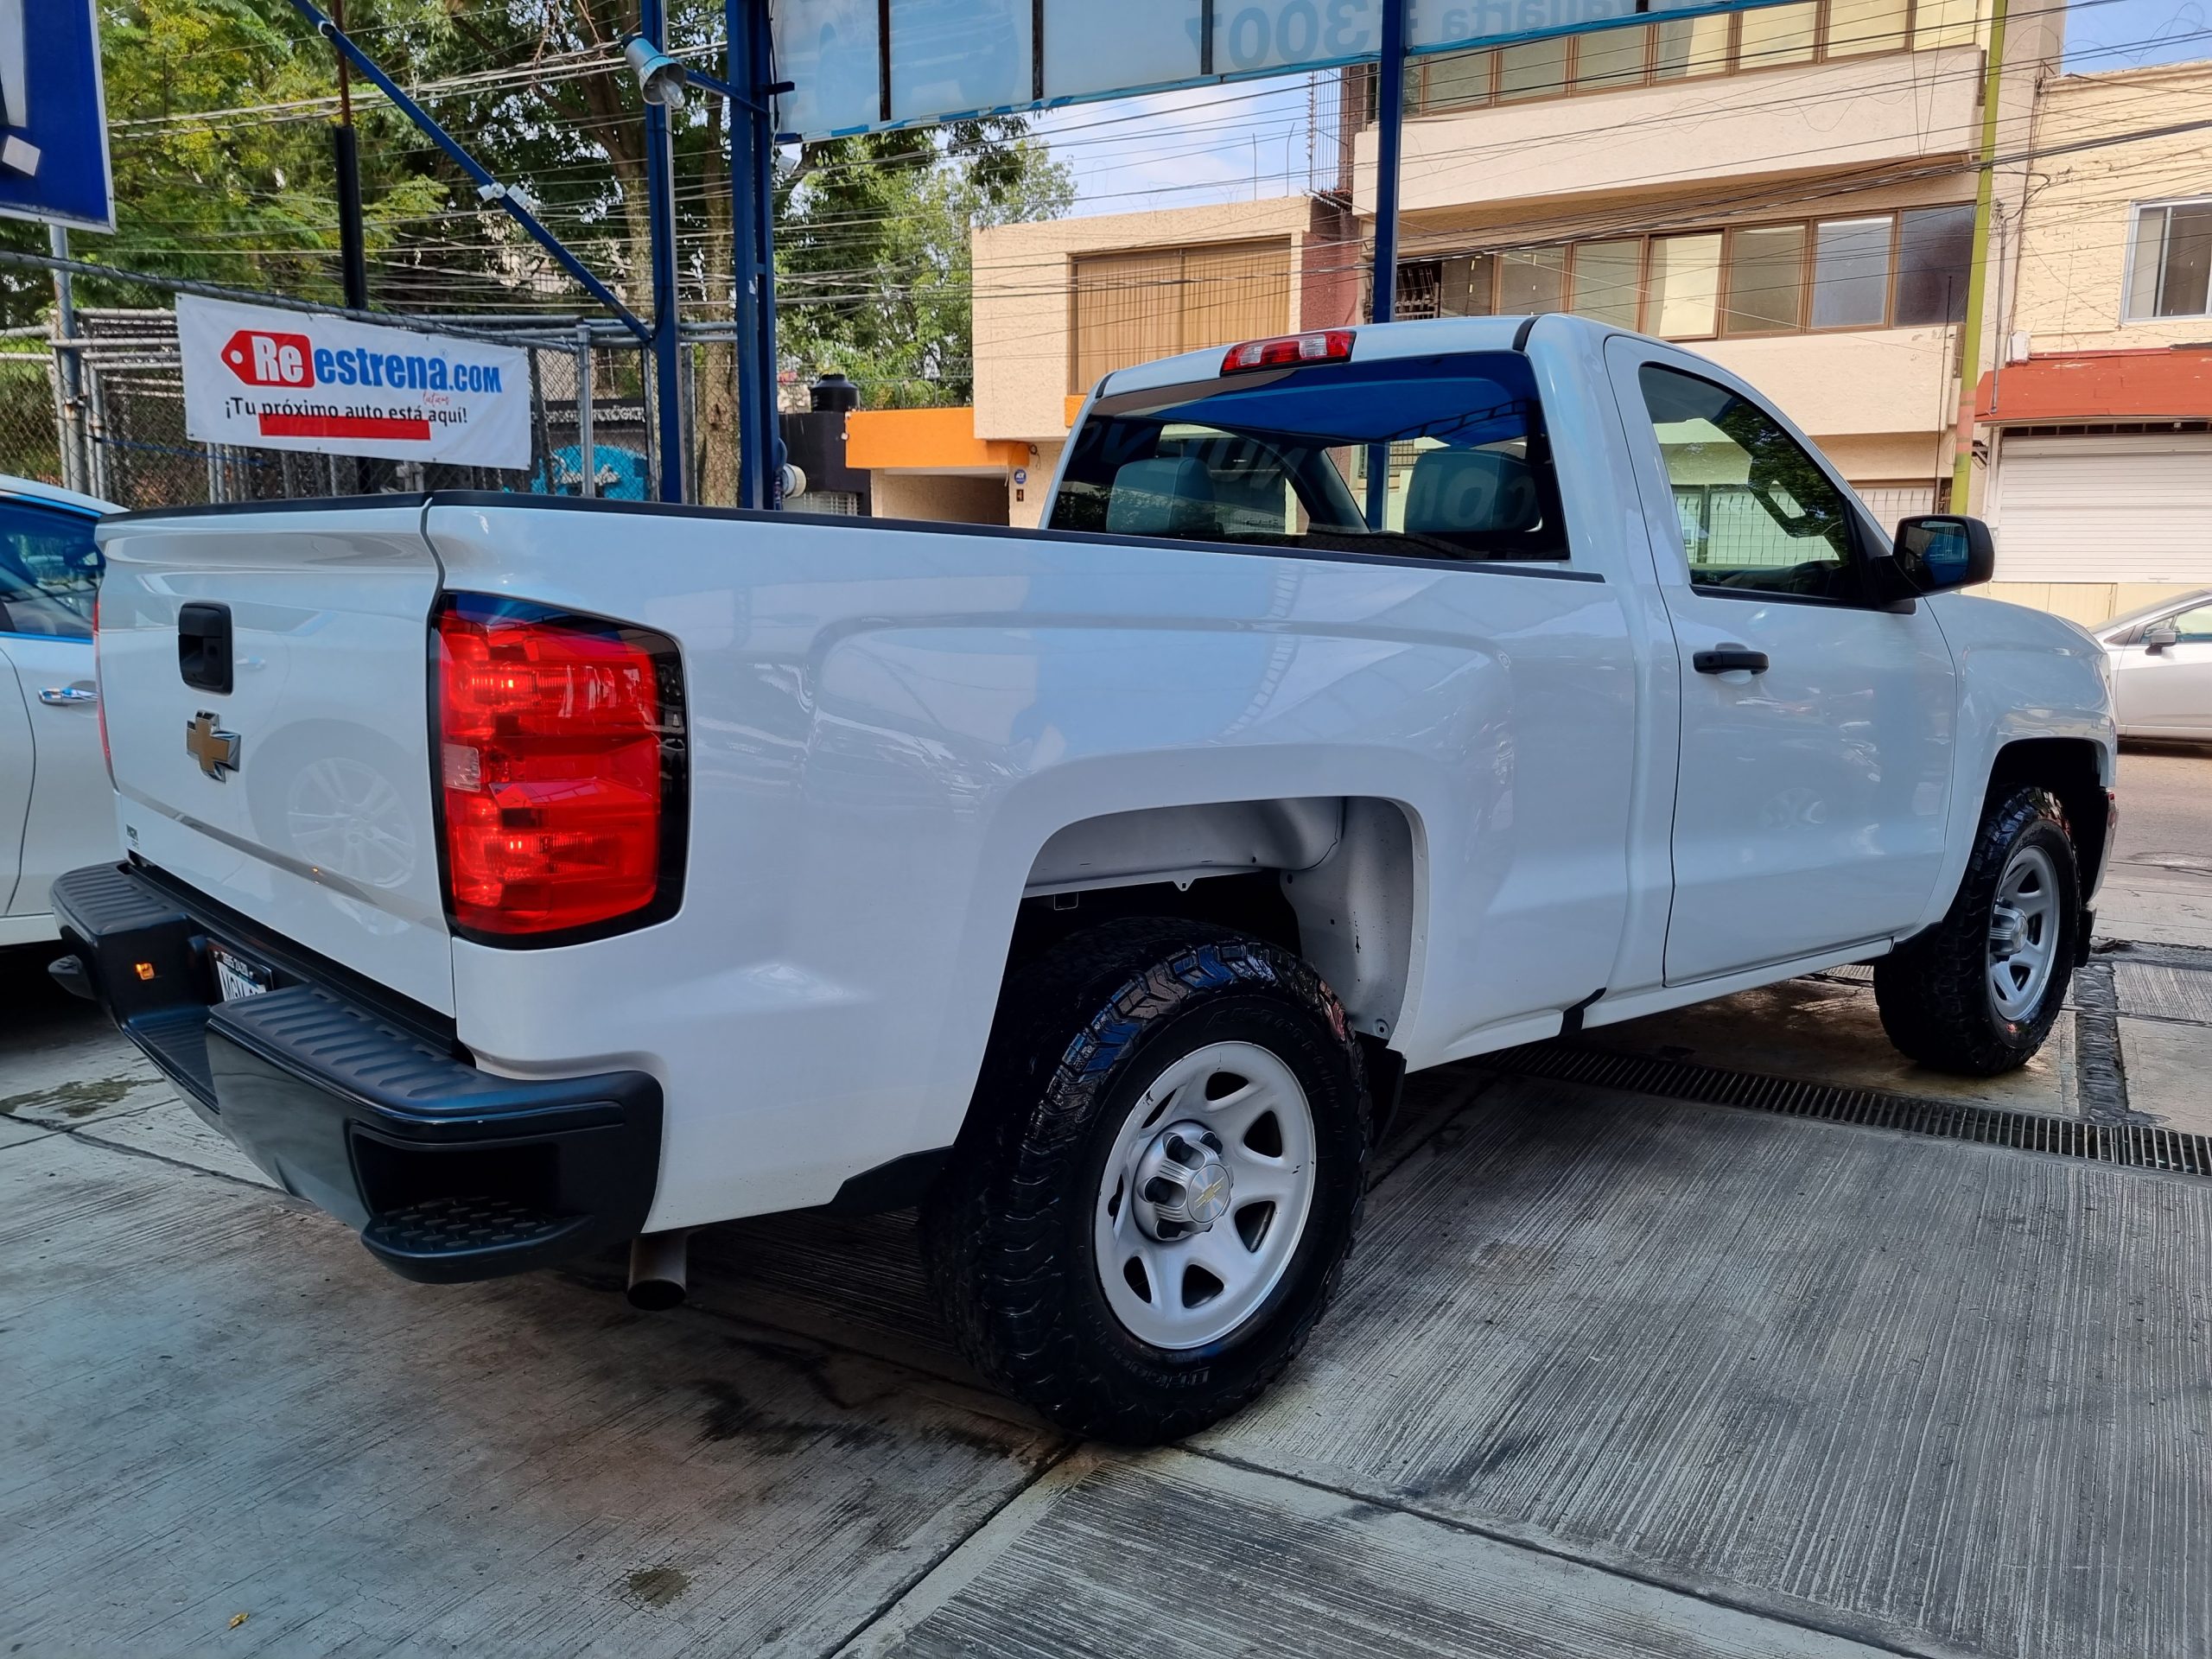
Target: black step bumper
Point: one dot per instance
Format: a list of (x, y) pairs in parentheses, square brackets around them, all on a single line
[(367, 1112)]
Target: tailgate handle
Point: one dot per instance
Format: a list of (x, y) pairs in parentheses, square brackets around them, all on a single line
[(203, 645)]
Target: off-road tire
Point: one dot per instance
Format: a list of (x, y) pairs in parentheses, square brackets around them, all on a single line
[(1007, 1232), (1934, 991)]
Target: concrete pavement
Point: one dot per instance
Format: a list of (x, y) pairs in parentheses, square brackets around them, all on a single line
[(2160, 888), (1611, 1375)]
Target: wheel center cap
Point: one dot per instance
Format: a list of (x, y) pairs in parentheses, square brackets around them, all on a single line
[(1210, 1194), (2008, 932), (1181, 1185)]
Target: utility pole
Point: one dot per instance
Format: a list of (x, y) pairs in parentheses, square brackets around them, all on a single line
[(1993, 82), (76, 471), (352, 242), (353, 247), (668, 352)]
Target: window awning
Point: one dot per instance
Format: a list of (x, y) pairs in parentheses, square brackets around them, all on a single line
[(2173, 384)]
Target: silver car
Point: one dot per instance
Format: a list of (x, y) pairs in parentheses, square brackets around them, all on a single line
[(56, 800), (2162, 667)]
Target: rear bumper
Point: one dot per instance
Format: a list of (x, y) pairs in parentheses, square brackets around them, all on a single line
[(448, 1171)]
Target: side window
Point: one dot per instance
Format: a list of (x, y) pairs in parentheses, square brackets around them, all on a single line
[(1756, 510), (2195, 626), (49, 570)]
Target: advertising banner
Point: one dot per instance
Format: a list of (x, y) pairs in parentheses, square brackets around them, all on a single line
[(858, 65), (287, 380)]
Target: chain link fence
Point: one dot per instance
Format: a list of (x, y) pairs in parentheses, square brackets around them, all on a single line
[(103, 413)]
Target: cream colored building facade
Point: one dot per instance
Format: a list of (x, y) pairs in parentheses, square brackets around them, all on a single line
[(2097, 420), (1059, 302), (1788, 191)]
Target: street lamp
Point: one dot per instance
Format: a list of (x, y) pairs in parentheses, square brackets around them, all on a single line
[(660, 77)]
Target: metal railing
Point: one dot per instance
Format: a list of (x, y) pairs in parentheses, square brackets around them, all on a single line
[(102, 411)]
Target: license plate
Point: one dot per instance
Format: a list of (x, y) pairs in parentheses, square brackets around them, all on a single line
[(237, 978)]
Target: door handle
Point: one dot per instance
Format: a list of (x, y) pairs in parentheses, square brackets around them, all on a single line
[(1726, 658), (62, 696)]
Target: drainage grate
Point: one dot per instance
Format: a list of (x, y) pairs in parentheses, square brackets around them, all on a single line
[(2100, 1068), (2134, 1146)]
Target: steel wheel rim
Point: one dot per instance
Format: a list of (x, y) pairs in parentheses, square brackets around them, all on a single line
[(2024, 929), (1234, 1091)]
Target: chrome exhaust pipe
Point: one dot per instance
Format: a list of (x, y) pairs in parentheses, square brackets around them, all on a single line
[(657, 1264)]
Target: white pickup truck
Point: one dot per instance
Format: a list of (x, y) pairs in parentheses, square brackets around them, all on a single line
[(515, 878)]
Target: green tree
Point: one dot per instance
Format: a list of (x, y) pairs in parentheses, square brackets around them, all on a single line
[(873, 248), (219, 113), (211, 182)]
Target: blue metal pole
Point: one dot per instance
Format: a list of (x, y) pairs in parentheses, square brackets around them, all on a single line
[(763, 201), (660, 213), (1390, 133), (487, 188), (752, 219)]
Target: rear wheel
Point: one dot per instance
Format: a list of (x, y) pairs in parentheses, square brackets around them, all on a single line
[(1978, 993), (1156, 1190)]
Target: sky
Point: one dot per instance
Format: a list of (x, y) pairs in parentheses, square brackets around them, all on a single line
[(2129, 33), (1205, 144), (1229, 144)]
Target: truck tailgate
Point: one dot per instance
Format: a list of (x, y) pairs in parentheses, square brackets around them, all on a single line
[(302, 794)]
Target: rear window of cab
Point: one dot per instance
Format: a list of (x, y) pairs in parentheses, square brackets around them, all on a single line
[(1293, 457)]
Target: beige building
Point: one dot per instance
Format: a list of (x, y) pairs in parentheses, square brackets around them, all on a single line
[(1061, 302), (1788, 190), (2096, 422)]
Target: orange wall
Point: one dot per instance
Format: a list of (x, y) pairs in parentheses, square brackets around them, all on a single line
[(877, 438)]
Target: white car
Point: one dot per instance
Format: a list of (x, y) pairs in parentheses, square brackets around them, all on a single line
[(56, 800), (512, 877), (2161, 659)]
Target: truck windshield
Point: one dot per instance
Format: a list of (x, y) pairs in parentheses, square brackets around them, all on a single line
[(1281, 457)]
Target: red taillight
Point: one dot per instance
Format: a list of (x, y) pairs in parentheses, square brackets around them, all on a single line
[(107, 758), (1324, 346), (556, 767)]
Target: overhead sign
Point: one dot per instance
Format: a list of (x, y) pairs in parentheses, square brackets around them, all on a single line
[(861, 66), (287, 380), (53, 115)]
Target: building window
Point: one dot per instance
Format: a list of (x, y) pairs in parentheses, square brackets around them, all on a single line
[(1132, 307), (1851, 272), (1775, 35), (2170, 261), (1856, 27), (1532, 280), (1869, 270), (1766, 280), (1533, 69), (1608, 59), (1935, 256), (1683, 295), (1605, 281)]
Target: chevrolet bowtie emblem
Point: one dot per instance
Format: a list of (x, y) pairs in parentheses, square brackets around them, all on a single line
[(216, 751)]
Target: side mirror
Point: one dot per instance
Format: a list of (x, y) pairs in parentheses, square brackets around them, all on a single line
[(2157, 640), (1939, 551)]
